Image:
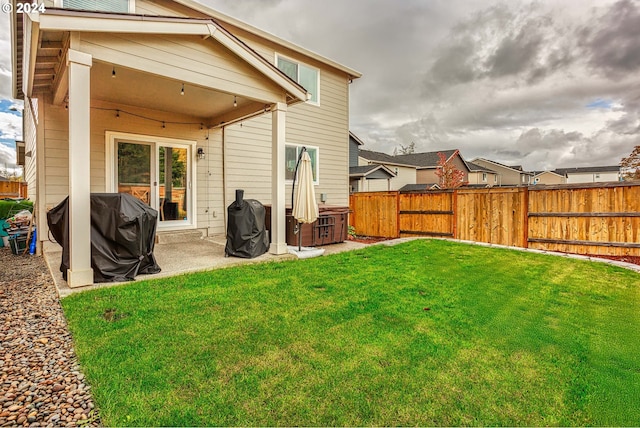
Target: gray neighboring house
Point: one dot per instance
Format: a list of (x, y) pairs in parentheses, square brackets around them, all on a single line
[(507, 175), (366, 177), (426, 164)]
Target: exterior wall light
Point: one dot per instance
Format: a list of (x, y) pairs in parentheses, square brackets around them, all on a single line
[(200, 153)]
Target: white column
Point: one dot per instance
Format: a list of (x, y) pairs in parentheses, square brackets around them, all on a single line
[(80, 272), (278, 231)]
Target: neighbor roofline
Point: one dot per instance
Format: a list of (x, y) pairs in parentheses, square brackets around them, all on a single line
[(501, 165), (353, 74), (355, 137)]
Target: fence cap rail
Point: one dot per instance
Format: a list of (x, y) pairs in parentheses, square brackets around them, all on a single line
[(606, 185)]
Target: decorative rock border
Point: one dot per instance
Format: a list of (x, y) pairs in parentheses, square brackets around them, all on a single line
[(40, 381)]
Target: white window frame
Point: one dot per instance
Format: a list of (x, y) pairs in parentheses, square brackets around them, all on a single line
[(484, 177), (317, 149), (132, 5), (299, 63), (111, 139)]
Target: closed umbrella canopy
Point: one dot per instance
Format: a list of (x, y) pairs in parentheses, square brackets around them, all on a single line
[(305, 207)]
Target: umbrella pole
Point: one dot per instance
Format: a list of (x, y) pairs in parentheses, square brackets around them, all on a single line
[(299, 237)]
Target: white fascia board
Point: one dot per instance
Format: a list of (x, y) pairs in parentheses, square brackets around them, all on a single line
[(137, 24), (259, 63), (31, 32)]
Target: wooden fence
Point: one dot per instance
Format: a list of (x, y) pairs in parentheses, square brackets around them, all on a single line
[(13, 189), (601, 219)]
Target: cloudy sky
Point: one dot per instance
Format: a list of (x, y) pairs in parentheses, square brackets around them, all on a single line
[(543, 84)]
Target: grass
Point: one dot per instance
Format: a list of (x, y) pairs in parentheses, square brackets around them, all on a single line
[(10, 208), (423, 333)]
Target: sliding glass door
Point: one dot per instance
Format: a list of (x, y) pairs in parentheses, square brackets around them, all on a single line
[(159, 175)]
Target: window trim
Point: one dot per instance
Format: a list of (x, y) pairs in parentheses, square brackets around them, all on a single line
[(132, 5), (309, 101), (316, 182), (484, 177)]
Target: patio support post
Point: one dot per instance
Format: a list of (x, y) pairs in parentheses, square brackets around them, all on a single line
[(79, 272), (278, 210)]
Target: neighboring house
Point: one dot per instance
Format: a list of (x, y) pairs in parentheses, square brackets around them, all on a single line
[(481, 176), (177, 104), (547, 177), (419, 187), (507, 175), (427, 164), (590, 174), (402, 173), (366, 178)]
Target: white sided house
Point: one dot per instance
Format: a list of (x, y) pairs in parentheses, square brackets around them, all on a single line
[(175, 103)]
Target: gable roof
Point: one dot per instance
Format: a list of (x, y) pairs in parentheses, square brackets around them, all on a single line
[(365, 170), (587, 169), (426, 159), (419, 187), (384, 158), (538, 173), (516, 168), (477, 168), (90, 21), (356, 139), (196, 5)]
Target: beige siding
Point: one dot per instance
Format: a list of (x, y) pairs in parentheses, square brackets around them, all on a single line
[(507, 176), (427, 176), (164, 8), (30, 115), (549, 178), (185, 58), (208, 172)]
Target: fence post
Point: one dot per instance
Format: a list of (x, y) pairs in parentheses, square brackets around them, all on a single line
[(454, 208), (525, 219), (397, 213)]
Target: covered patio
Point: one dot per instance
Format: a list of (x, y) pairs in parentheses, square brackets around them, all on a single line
[(205, 253), (100, 75)]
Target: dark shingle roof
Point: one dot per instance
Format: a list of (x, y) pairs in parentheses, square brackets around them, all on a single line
[(418, 187), (381, 157), (475, 168), (565, 171), (363, 171), (424, 160)]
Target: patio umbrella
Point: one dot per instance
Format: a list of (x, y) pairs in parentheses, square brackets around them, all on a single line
[(305, 207)]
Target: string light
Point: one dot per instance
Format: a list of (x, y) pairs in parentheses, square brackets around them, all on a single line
[(182, 90), (235, 101), (117, 113), (113, 73)]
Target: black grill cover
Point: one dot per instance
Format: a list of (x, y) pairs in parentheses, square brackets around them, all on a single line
[(123, 231), (246, 233)]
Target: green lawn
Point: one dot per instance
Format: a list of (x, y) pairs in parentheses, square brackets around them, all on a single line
[(423, 333)]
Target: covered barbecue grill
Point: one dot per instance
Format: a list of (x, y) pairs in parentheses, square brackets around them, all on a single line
[(247, 236), (123, 231)]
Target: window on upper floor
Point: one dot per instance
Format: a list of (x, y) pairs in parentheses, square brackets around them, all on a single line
[(484, 177), (292, 151), (119, 6), (306, 76)]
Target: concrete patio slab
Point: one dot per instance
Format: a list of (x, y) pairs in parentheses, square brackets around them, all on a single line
[(176, 258)]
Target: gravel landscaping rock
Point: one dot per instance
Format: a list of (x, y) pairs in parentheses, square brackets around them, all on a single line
[(40, 380)]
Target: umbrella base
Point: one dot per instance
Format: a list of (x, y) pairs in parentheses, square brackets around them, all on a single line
[(305, 252)]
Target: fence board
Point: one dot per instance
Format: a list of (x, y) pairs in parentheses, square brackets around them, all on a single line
[(428, 214), (585, 219), (374, 214), (13, 189)]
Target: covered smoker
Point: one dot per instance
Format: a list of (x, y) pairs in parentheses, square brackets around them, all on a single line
[(246, 233), (123, 231)]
